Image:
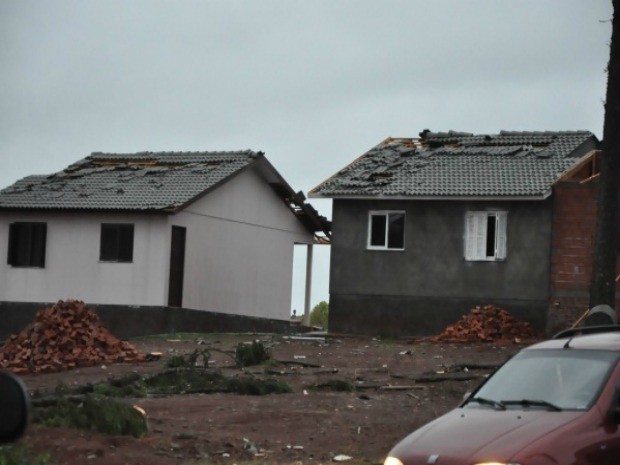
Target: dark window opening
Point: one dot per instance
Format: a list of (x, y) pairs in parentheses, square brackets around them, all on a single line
[(27, 244), (377, 230), (387, 230), (396, 231), (116, 243), (491, 227)]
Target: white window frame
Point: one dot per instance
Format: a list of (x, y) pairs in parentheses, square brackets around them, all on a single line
[(387, 214), (475, 236)]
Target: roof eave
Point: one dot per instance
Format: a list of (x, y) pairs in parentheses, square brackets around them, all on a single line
[(457, 198)]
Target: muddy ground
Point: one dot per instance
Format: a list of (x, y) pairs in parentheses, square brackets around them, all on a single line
[(398, 387)]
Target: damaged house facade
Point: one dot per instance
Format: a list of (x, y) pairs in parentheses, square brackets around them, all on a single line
[(425, 229), (156, 242)]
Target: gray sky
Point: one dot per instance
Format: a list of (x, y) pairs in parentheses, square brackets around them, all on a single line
[(313, 84)]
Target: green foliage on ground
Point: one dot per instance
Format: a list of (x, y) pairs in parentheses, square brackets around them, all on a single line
[(92, 412), (188, 381), (19, 454), (251, 354), (177, 361), (319, 316), (196, 381)]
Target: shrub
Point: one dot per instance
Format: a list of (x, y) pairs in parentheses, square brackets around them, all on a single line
[(251, 354), (319, 315)]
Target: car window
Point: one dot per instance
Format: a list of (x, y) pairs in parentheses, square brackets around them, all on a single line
[(568, 379)]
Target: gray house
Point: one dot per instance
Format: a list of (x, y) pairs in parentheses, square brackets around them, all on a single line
[(426, 228), (156, 241)]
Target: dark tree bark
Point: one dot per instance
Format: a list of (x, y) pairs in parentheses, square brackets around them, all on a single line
[(603, 285)]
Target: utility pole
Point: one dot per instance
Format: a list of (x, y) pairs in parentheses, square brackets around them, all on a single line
[(603, 283)]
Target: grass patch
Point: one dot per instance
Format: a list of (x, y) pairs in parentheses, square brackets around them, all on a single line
[(92, 412), (19, 454), (196, 381), (187, 381)]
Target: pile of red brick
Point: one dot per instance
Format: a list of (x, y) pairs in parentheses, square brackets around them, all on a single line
[(487, 324), (65, 336)]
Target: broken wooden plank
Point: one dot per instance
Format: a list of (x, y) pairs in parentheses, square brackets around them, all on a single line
[(409, 387)]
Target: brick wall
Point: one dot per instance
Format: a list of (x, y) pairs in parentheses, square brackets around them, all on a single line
[(574, 224)]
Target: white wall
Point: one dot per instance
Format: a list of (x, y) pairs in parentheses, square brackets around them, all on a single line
[(72, 266), (240, 241), (239, 255)]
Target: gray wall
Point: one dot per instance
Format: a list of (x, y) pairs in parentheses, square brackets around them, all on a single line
[(131, 321), (420, 290)]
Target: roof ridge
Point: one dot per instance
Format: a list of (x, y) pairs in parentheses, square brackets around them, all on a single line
[(172, 152)]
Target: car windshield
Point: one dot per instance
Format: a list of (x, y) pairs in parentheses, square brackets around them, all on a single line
[(548, 379)]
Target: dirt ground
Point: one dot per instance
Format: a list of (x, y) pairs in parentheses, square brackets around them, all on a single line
[(399, 386)]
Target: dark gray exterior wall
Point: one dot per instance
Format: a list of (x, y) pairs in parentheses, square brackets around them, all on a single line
[(429, 285), (125, 321)]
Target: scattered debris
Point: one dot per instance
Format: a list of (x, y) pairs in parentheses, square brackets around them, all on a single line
[(487, 324), (409, 387), (341, 458), (65, 336)]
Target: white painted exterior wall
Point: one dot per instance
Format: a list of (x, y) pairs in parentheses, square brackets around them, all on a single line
[(72, 266), (239, 247), (239, 255)]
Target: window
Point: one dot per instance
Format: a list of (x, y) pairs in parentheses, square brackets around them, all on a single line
[(116, 242), (27, 244), (485, 236), (386, 230)]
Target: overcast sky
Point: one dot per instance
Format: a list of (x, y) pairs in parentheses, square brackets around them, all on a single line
[(313, 84)]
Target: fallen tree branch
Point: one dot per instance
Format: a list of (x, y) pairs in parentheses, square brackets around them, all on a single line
[(438, 377), (297, 362)]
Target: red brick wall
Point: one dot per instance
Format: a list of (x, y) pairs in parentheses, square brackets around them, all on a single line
[(574, 224)]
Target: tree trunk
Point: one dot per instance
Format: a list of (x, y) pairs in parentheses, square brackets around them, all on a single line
[(603, 284)]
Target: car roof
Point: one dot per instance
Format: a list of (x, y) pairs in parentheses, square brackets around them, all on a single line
[(608, 340)]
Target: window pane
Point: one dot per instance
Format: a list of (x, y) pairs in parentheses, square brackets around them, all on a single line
[(126, 243), (491, 226), (396, 231), (109, 243), (27, 244), (377, 230), (37, 254), (116, 243)]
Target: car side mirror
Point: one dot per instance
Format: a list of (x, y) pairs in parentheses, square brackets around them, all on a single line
[(14, 407)]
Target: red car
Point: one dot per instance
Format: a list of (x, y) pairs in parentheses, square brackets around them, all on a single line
[(554, 403)]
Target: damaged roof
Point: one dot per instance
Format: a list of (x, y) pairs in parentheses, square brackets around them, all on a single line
[(144, 181), (154, 182), (458, 164)]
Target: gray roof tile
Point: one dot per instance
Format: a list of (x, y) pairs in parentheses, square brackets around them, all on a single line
[(456, 164), (145, 181)]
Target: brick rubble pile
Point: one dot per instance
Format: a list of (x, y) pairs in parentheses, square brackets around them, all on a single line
[(487, 324), (64, 336)]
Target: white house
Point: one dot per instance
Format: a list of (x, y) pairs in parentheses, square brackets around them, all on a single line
[(208, 231)]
